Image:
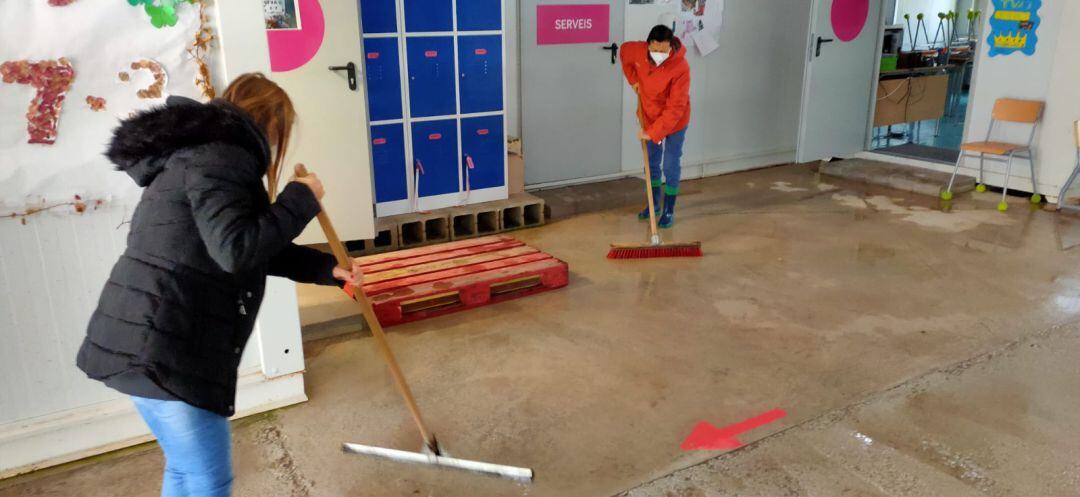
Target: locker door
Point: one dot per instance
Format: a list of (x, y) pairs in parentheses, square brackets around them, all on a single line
[(431, 76), (388, 161), (383, 78), (429, 15), (479, 15), (481, 73), (378, 16), (435, 147), (482, 140)]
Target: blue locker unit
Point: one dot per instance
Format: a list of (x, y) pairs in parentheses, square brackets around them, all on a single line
[(482, 140), (434, 145), (431, 76), (383, 78), (378, 16), (388, 161), (481, 73), (429, 15), (479, 15)]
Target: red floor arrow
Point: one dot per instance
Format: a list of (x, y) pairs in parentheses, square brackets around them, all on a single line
[(705, 436)]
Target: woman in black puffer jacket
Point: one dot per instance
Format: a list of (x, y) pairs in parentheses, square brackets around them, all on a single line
[(181, 302)]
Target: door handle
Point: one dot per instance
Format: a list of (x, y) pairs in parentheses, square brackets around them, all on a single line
[(350, 71), (614, 48), (821, 41)]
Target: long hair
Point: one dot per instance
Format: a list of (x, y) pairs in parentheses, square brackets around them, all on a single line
[(272, 111)]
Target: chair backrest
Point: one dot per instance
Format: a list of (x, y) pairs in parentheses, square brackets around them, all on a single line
[(1017, 111)]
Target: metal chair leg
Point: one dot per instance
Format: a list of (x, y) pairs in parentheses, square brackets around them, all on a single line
[(1063, 196), (981, 186), (947, 194), (1035, 196), (1004, 206)]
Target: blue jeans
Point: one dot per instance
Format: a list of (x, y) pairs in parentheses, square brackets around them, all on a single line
[(666, 159), (196, 443)]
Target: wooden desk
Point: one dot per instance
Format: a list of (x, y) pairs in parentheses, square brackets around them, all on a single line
[(910, 95)]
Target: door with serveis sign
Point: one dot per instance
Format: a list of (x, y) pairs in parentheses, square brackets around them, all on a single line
[(572, 87)]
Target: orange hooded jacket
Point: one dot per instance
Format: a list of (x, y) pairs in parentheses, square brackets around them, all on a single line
[(665, 89)]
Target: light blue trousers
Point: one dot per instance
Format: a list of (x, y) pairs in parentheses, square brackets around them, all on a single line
[(197, 446)]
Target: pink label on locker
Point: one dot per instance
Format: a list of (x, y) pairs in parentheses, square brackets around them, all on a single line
[(373, 55), (379, 141), (563, 24), (431, 54), (480, 51), (435, 136), (482, 132)]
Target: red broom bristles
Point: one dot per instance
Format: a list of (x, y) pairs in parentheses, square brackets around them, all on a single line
[(653, 252)]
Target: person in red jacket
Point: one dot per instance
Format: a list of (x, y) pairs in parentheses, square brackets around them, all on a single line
[(658, 71)]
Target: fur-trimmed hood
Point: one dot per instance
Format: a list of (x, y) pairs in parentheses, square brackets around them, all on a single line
[(142, 144)]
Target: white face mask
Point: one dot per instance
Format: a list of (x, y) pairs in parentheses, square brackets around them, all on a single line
[(659, 57)]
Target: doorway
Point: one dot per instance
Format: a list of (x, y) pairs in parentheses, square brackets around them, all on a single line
[(571, 95), (926, 64)]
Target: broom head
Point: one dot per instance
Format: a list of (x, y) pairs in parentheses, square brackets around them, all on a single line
[(649, 251)]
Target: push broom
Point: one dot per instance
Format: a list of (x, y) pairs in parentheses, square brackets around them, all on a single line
[(432, 454), (655, 247)]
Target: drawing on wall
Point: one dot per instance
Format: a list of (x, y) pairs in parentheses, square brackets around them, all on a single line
[(96, 104), (698, 24), (157, 88), (1014, 27), (51, 79), (281, 14), (162, 12)]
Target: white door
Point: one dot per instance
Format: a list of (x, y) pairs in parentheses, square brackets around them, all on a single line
[(571, 95), (331, 135), (839, 78)]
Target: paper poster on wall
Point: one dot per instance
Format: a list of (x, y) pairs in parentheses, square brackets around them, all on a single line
[(698, 24), (281, 14), (1014, 27)]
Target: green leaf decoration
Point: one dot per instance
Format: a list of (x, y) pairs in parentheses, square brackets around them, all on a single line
[(162, 12)]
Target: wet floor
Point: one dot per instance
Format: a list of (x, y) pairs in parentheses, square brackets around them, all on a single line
[(915, 352)]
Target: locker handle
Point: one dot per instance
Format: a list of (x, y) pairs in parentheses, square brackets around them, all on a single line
[(350, 71)]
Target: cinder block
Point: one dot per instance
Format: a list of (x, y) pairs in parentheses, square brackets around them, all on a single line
[(487, 221), (413, 230), (462, 223), (512, 217)]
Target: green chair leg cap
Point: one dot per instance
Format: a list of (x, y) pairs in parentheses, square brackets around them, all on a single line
[(946, 195), (1003, 206), (981, 188), (1036, 199)]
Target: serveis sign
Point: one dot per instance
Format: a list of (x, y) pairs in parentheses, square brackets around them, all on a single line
[(563, 24)]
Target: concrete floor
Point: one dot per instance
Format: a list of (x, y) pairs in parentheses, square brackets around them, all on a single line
[(916, 352)]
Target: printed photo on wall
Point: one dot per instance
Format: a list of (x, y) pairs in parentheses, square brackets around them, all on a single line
[(697, 7), (281, 14)]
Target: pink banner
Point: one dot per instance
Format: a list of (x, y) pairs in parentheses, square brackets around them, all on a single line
[(563, 24)]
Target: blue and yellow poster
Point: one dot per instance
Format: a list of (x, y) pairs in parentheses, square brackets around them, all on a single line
[(1014, 27)]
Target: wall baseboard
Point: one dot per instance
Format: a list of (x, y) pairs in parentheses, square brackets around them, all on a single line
[(992, 177), (37, 443)]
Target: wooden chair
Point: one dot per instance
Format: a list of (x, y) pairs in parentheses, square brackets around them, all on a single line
[(1005, 110), (1063, 199)]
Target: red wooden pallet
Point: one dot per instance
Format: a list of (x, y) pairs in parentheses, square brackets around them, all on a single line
[(414, 284)]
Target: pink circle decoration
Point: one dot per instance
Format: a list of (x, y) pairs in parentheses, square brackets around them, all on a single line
[(292, 48), (849, 18)]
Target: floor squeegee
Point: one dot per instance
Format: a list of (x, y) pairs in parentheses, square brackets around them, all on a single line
[(432, 454)]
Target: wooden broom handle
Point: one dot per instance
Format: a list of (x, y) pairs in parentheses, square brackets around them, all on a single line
[(648, 174), (345, 262)]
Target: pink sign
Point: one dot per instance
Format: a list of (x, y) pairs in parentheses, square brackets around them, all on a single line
[(849, 18), (292, 48), (563, 24)]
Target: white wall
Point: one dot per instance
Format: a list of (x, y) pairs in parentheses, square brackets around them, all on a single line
[(53, 268), (1049, 75), (745, 96), (513, 67)]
